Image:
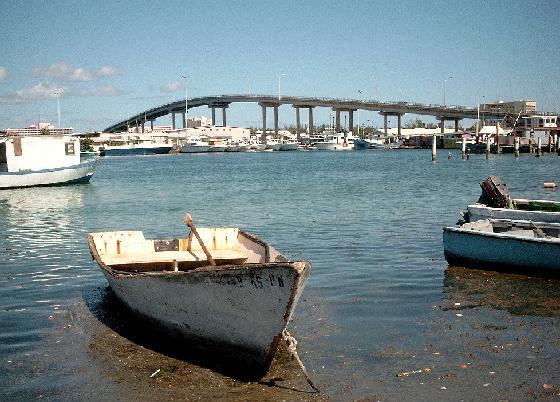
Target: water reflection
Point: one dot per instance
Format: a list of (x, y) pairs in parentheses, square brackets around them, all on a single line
[(41, 243), (519, 294)]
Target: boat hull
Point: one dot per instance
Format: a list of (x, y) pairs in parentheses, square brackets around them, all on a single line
[(481, 211), (291, 146), (240, 310), (80, 173), (136, 151), (500, 251), (196, 149)]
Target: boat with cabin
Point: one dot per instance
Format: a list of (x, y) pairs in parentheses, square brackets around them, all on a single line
[(272, 144), (336, 142), (222, 288), (42, 160), (195, 144), (369, 143)]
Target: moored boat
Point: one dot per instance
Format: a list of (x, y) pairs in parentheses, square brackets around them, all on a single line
[(195, 145), (336, 142), (505, 245), (241, 305), (272, 144), (129, 149), (496, 202), (369, 143), (42, 160)]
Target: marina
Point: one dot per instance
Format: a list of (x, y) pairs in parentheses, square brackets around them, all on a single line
[(67, 332), (280, 201)]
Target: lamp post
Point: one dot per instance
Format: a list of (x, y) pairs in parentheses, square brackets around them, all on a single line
[(186, 100), (279, 78), (58, 93), (445, 90)]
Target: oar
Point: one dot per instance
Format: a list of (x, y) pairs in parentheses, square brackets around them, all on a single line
[(189, 223)]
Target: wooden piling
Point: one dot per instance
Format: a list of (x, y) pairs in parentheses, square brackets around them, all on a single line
[(464, 148), (434, 154)]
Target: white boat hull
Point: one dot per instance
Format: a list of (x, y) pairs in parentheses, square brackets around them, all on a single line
[(503, 250), (80, 173), (332, 146), (481, 211), (194, 149), (246, 309)]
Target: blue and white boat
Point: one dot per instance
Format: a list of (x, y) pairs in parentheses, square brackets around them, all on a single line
[(42, 160), (132, 148), (369, 143), (504, 245)]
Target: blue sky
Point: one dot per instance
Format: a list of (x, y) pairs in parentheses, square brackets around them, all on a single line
[(113, 59)]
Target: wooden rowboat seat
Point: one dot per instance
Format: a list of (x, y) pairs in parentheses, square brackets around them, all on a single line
[(169, 257)]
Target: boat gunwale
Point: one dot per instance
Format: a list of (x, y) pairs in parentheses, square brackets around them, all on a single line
[(510, 234)]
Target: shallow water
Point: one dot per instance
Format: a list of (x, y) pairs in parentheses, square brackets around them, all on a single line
[(382, 316)]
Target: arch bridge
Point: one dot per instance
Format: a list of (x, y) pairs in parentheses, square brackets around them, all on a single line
[(440, 112)]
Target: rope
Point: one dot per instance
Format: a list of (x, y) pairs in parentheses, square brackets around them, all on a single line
[(292, 345)]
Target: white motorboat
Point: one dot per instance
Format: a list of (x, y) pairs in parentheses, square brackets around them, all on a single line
[(195, 145), (496, 202), (336, 142), (272, 144), (42, 160)]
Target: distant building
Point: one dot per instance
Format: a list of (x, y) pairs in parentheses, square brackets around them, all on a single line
[(37, 129), (514, 107), (227, 132)]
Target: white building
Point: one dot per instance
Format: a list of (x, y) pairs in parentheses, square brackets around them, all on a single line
[(36, 129), (229, 132)]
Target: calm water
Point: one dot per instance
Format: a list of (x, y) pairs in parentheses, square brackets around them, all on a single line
[(382, 316)]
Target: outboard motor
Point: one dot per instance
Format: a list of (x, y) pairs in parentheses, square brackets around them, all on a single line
[(495, 194)]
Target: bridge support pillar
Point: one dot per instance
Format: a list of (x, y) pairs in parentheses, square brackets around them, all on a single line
[(144, 122), (224, 122), (263, 136), (337, 120), (276, 121), (311, 131), (385, 123), (173, 120), (298, 123), (399, 116), (213, 115), (456, 125), (442, 125), (184, 120), (152, 125), (350, 121)]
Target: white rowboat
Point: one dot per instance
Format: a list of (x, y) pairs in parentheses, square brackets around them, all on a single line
[(241, 306)]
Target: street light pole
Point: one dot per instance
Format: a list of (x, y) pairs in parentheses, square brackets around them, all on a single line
[(186, 100), (279, 77), (58, 92), (445, 90)]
